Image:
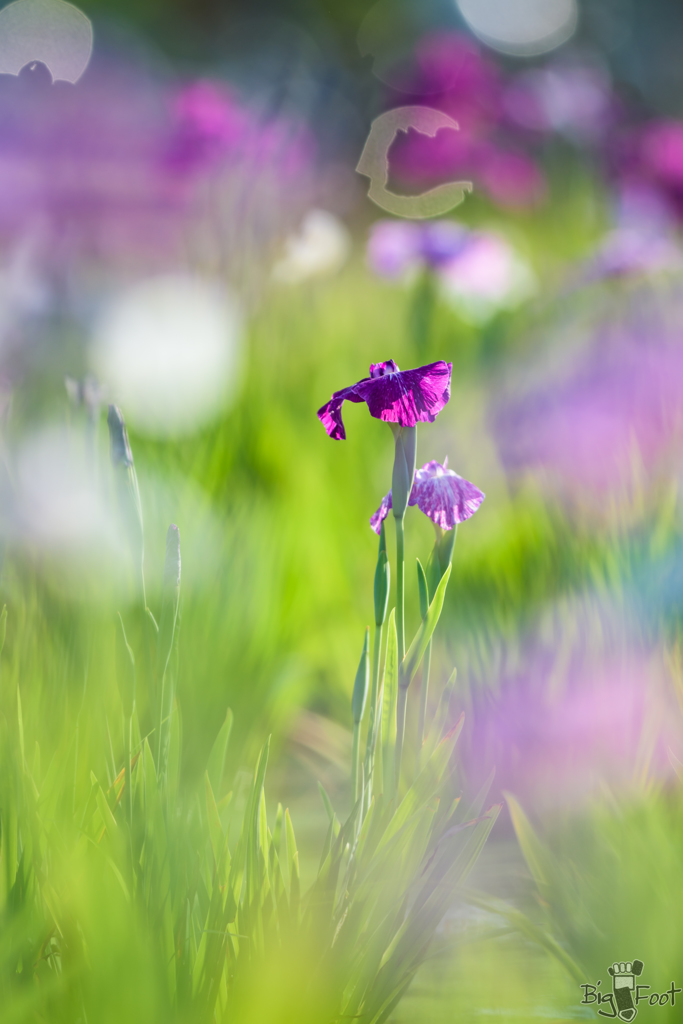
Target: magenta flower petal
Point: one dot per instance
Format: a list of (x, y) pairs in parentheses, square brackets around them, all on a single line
[(394, 247), (397, 247), (381, 514), (409, 397), (330, 414), (444, 496), (405, 397)]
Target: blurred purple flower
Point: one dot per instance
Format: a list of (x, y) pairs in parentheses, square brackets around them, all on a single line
[(651, 157), (573, 100), (606, 722), (661, 148), (396, 247), (114, 163), (581, 431), (486, 276), (642, 241), (509, 176), (446, 498), (405, 397), (209, 122), (479, 271), (459, 80)]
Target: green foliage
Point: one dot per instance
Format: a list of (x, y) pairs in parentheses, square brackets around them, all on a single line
[(382, 580), (604, 882), (416, 651), (198, 890), (216, 910)]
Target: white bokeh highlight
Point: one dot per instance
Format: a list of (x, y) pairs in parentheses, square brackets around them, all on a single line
[(167, 350), (522, 28), (319, 248), (51, 31), (57, 505), (489, 276)]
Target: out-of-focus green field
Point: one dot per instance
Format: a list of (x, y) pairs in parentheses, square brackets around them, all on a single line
[(278, 561)]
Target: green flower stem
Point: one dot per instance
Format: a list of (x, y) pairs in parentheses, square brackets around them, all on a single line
[(360, 693), (165, 638), (372, 724), (128, 779), (355, 761), (424, 695), (400, 580), (376, 652), (381, 595), (400, 632), (422, 312), (400, 728), (401, 485)]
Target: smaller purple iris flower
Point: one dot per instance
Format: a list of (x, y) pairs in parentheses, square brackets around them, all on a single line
[(397, 247), (440, 493), (405, 397)]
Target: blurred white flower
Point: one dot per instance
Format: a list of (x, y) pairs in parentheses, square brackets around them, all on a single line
[(521, 27), (168, 351), (643, 240), (51, 31), (320, 247), (23, 292), (572, 99), (56, 503), (486, 276)]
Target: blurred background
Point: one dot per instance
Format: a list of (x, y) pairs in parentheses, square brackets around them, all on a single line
[(183, 232)]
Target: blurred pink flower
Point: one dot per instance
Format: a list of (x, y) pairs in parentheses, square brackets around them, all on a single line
[(116, 163), (479, 272), (651, 157), (623, 397), (661, 149), (641, 242), (467, 85), (209, 123), (609, 722), (487, 275), (459, 80), (398, 247), (571, 99), (510, 177)]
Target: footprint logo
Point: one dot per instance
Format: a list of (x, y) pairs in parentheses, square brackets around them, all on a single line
[(374, 163), (623, 984)]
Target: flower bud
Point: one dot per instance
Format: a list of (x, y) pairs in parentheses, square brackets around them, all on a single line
[(445, 543), (362, 683), (382, 581), (121, 454), (423, 590), (126, 482), (405, 439)]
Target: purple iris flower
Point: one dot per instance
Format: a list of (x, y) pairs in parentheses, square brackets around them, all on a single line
[(405, 397), (440, 493), (396, 246)]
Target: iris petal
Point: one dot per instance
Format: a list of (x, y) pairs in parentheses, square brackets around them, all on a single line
[(381, 514), (405, 397), (330, 413), (446, 498)]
